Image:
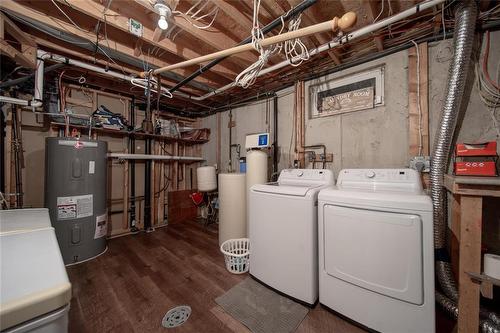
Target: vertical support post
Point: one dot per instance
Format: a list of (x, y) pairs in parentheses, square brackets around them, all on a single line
[(418, 86), (470, 261)]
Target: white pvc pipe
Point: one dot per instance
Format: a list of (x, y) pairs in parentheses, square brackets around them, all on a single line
[(38, 95), (124, 156), (355, 34)]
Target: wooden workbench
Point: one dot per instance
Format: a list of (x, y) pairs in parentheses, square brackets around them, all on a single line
[(467, 211)]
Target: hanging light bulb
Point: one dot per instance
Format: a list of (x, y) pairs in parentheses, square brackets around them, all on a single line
[(162, 23), (164, 11)]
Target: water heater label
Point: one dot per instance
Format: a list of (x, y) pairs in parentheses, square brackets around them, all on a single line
[(101, 226), (74, 207), (91, 167)]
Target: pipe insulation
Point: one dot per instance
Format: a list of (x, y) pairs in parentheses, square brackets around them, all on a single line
[(465, 22)]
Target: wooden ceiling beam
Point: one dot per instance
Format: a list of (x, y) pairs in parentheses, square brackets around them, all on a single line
[(27, 56), (89, 36), (153, 37), (78, 55), (214, 38), (372, 12), (237, 15), (18, 56)]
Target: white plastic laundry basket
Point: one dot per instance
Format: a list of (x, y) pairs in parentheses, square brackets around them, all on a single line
[(237, 255)]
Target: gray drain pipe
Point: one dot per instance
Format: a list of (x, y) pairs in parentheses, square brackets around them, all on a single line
[(465, 22)]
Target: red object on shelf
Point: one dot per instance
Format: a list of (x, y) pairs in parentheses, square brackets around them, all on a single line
[(197, 198), (469, 168), (476, 149)]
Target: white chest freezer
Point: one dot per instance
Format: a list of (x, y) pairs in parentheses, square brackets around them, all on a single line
[(35, 291)]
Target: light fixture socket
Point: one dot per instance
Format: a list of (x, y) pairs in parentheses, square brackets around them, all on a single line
[(163, 9)]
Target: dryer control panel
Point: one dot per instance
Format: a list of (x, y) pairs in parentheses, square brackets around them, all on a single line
[(405, 180), (306, 177)]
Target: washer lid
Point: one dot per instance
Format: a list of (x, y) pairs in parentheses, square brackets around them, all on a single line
[(306, 177), (275, 188), (22, 220), (33, 279), (376, 199)]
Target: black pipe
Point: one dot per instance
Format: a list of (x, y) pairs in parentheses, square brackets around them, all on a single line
[(147, 170), (343, 66), (17, 157), (131, 141), (10, 83), (275, 134), (2, 154), (277, 21)]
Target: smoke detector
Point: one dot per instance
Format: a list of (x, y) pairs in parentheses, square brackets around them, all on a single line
[(165, 12)]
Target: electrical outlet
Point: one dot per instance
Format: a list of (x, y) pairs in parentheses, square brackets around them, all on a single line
[(421, 163)]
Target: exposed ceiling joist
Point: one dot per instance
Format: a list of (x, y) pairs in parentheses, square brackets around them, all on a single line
[(214, 38), (235, 13), (27, 55), (153, 37), (371, 11), (88, 36)]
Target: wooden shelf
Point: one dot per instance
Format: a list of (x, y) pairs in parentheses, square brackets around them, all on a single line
[(133, 134), (486, 282)]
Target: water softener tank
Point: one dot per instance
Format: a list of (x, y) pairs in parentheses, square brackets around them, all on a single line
[(75, 194)]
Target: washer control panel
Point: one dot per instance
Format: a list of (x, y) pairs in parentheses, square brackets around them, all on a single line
[(306, 177), (407, 180)]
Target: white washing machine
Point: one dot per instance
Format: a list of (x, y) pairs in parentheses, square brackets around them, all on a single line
[(284, 232), (376, 250)]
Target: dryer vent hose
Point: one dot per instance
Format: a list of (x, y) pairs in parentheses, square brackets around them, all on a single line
[(465, 22)]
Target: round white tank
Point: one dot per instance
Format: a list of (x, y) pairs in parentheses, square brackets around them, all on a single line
[(256, 168), (207, 179), (232, 206)]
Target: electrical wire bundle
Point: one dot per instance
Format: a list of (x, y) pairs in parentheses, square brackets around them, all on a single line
[(248, 76), (489, 90), (143, 83), (295, 50), (193, 16)]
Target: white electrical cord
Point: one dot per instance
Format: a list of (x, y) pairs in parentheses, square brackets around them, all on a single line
[(143, 83), (193, 17), (295, 50), (248, 76), (420, 136)]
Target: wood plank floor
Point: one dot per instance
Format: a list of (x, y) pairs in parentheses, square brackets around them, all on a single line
[(141, 277)]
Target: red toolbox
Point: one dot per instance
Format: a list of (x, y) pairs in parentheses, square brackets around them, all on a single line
[(476, 159), (476, 149)]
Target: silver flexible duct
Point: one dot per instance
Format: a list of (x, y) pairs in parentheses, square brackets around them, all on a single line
[(465, 22), (487, 325)]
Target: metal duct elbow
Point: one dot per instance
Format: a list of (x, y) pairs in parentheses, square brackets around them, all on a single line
[(465, 22)]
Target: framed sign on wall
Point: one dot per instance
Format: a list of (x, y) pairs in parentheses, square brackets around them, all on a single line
[(359, 91)]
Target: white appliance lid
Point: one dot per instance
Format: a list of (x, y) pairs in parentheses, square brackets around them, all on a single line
[(275, 188), (18, 220), (306, 177), (375, 199), (33, 279), (381, 180)]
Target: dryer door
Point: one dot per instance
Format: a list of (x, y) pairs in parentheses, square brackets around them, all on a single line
[(376, 250)]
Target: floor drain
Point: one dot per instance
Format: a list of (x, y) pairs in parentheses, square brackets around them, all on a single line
[(176, 316)]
